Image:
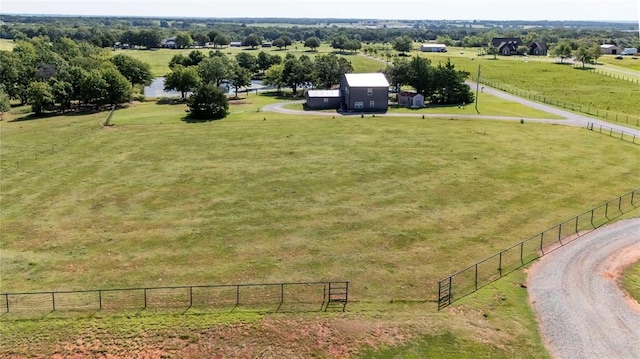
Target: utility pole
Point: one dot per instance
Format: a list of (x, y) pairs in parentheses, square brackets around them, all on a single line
[(477, 88)]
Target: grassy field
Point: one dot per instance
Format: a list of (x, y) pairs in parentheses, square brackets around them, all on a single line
[(631, 281), (487, 105), (627, 62), (159, 59), (6, 45), (392, 205)]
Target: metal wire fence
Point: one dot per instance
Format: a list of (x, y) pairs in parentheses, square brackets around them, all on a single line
[(610, 131), (278, 297), (490, 269)]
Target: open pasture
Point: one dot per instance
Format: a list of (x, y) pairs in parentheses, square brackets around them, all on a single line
[(389, 204)]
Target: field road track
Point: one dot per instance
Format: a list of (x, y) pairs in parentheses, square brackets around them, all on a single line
[(574, 291)]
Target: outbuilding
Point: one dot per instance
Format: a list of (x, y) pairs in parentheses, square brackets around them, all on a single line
[(630, 51), (610, 49), (411, 100), (235, 44), (364, 92), (433, 48), (323, 99)]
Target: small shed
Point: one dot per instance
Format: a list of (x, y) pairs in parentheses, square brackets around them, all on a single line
[(365, 92), (610, 49), (433, 48), (323, 99), (411, 100), (235, 44), (629, 51)]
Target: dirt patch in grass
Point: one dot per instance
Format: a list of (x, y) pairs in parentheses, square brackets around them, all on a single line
[(268, 338)]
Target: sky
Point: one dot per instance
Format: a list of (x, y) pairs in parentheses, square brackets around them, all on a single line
[(593, 10)]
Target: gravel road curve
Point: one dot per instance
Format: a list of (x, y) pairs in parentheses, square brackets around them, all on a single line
[(581, 310)]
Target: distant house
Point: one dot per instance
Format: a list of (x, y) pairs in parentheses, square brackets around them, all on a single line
[(537, 48), (609, 49), (323, 99), (507, 45), (364, 92), (433, 48), (266, 44), (235, 44), (169, 43), (411, 100), (358, 92), (630, 51)]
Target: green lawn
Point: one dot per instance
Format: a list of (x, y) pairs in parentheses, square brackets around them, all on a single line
[(6, 45), (627, 62), (631, 281), (391, 205)]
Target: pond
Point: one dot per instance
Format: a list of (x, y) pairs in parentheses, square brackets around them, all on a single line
[(156, 89)]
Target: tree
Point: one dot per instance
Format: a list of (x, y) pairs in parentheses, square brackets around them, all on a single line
[(136, 71), (583, 54), (312, 42), (92, 88), (399, 74), (178, 60), (118, 89), (403, 44), (247, 61), (148, 38), (353, 45), (596, 52), (195, 57), (240, 77), (208, 102), (562, 50), (522, 50), (296, 72), (420, 73), (279, 43), (5, 105), (329, 69), (252, 40), (492, 50), (339, 41), (286, 40), (448, 85), (183, 40), (273, 77), (215, 69), (40, 97), (264, 61), (221, 40), (183, 79), (62, 92)]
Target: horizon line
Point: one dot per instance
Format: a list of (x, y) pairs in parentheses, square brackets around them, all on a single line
[(631, 21)]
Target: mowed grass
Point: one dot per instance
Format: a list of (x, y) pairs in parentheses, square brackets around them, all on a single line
[(627, 62), (392, 205), (631, 281), (159, 59), (6, 45)]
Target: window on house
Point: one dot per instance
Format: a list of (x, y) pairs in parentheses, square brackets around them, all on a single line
[(369, 92), (358, 105), (372, 104)]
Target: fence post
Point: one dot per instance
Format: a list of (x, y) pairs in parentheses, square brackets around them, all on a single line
[(606, 210), (592, 225), (145, 297), (450, 288), (237, 295), (560, 234), (6, 296), (541, 241), (620, 204), (53, 300), (500, 265), (476, 280), (576, 225), (100, 298), (522, 253), (190, 297)]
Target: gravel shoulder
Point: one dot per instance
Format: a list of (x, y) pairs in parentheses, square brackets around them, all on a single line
[(574, 291)]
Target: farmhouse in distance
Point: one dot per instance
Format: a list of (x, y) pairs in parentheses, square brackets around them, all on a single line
[(358, 92)]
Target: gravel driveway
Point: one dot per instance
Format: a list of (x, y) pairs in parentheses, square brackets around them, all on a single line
[(573, 290)]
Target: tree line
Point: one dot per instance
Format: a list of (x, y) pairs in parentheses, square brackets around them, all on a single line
[(66, 75)]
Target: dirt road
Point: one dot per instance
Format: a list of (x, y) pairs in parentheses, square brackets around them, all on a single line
[(581, 310)]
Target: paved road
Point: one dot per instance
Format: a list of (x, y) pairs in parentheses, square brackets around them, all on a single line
[(581, 310)]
